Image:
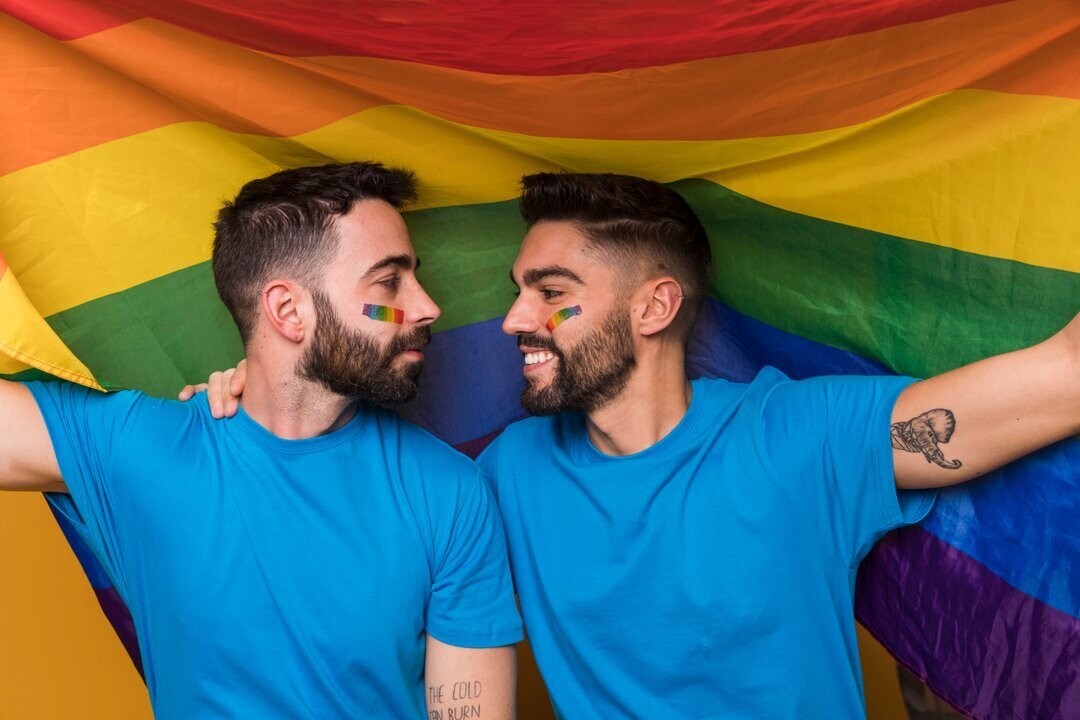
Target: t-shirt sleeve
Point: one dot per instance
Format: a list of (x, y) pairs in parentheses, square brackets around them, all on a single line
[(472, 600), (830, 437), (84, 427)]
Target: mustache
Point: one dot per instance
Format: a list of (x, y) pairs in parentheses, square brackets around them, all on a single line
[(538, 341), (416, 340)]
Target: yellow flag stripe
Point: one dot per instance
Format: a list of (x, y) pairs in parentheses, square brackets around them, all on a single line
[(27, 341), (969, 170)]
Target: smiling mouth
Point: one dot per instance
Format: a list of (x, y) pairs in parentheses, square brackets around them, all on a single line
[(538, 358)]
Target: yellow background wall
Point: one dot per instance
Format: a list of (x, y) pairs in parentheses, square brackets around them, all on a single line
[(60, 659)]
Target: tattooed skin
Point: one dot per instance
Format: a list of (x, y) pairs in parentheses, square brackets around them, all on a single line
[(454, 701), (923, 433)]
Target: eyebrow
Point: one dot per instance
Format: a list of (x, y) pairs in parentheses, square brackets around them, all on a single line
[(535, 275), (399, 261)]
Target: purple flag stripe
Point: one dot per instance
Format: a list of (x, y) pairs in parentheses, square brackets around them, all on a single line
[(1013, 657), (117, 613), (472, 448)]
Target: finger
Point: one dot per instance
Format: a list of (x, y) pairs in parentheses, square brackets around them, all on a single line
[(231, 399), (214, 395), (224, 395), (238, 379), (189, 391)]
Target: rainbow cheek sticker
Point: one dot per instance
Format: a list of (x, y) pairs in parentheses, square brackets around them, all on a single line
[(384, 313), (562, 316)]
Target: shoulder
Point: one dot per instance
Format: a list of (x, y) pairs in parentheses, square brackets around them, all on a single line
[(535, 428), (60, 392), (773, 387), (530, 446), (532, 433), (836, 393), (802, 418), (717, 397), (773, 402), (721, 389), (123, 406), (420, 452)]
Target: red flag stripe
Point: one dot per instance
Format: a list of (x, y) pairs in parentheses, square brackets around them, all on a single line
[(514, 36)]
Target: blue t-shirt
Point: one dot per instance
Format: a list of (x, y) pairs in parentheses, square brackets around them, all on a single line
[(273, 578), (711, 575)]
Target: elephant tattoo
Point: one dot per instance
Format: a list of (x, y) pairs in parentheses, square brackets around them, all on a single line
[(922, 434)]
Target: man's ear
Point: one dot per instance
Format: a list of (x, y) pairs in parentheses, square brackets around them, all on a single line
[(286, 307), (657, 303)]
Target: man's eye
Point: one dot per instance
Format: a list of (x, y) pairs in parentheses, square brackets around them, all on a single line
[(390, 283), (551, 294)]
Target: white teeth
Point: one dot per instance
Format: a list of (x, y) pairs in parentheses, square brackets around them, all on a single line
[(538, 357)]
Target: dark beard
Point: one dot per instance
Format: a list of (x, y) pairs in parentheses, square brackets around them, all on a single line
[(351, 364), (589, 375)]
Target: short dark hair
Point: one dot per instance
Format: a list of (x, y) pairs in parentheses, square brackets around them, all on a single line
[(284, 225), (640, 224)]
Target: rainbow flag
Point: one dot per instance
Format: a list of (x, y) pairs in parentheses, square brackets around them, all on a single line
[(889, 187)]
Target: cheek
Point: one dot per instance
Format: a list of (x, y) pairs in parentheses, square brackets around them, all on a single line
[(572, 322)]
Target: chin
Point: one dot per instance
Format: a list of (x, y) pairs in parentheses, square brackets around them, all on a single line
[(537, 404), (407, 367)]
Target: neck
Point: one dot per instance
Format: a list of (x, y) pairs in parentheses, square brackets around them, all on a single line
[(649, 407), (291, 407)]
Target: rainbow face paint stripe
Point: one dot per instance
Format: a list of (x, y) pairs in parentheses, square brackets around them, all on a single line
[(562, 316), (384, 313)]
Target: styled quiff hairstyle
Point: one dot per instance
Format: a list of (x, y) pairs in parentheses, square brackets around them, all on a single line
[(284, 226), (642, 227)]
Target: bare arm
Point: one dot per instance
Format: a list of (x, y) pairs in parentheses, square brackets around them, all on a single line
[(974, 419), (27, 460), (470, 682)]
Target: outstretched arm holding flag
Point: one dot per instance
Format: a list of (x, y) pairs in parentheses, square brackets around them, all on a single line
[(988, 413)]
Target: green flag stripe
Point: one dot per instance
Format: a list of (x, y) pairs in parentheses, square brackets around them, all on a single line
[(921, 309), (27, 376), (918, 308)]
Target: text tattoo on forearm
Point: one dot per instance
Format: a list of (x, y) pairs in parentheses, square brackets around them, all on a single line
[(463, 698)]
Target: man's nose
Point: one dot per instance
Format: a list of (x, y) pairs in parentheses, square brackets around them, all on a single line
[(520, 319), (422, 309)]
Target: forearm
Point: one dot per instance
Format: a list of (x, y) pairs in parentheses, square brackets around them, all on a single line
[(969, 421), (467, 682)]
